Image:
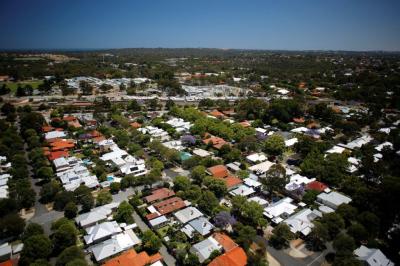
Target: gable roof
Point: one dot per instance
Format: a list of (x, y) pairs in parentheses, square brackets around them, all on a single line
[(159, 194), (316, 185), (234, 257), (132, 258), (225, 241), (372, 256), (169, 205), (218, 171)]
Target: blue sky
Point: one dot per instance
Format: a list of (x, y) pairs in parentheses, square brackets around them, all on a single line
[(251, 24)]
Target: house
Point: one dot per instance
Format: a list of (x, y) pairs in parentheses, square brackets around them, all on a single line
[(130, 257), (280, 210), (256, 158), (96, 215), (174, 144), (333, 199), (291, 142), (159, 194), (302, 221), (217, 114), (187, 214), (259, 200), (179, 124), (316, 185), (372, 256), (261, 168), (54, 135), (221, 172), (158, 221), (225, 241), (170, 205), (242, 190), (101, 232), (200, 225), (234, 257), (216, 142), (235, 166), (297, 181), (201, 153), (114, 245), (204, 248)]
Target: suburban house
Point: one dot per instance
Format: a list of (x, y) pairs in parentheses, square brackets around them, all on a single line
[(333, 199), (302, 221), (204, 248), (131, 257), (280, 210), (221, 172), (372, 256)]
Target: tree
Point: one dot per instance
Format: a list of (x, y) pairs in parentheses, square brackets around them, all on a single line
[(77, 262), (275, 144), (245, 235), (310, 196), (275, 179), (104, 197), (281, 236), (151, 241), (31, 230), (207, 202), (181, 183), (191, 260), (11, 225), (115, 187), (224, 219), (198, 173), (134, 106), (347, 212), (49, 191), (169, 104), (69, 254), (344, 245), (124, 213), (333, 222), (70, 210), (64, 237), (318, 237), (8, 108), (87, 202), (36, 247), (45, 173), (370, 221), (62, 199), (217, 186), (358, 232)]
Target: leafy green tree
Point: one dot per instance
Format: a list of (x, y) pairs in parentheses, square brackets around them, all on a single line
[(36, 247), (347, 212), (49, 191), (275, 179), (208, 202), (70, 210), (62, 199), (191, 260), (333, 222), (358, 232), (217, 186), (45, 173), (69, 254), (115, 187), (104, 197), (181, 183), (124, 213), (198, 173), (344, 245), (65, 236), (370, 221), (32, 229), (281, 236), (245, 235), (318, 236), (310, 196), (77, 262), (151, 241), (11, 225), (87, 202), (275, 145)]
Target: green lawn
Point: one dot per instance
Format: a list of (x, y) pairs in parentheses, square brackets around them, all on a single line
[(14, 85), (163, 231)]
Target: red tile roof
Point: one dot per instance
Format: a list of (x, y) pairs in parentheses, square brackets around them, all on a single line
[(57, 154), (169, 205), (245, 124), (217, 142), (216, 114), (159, 194), (132, 258), (136, 125), (232, 181), (218, 171), (225, 241), (316, 185), (234, 257), (62, 145)]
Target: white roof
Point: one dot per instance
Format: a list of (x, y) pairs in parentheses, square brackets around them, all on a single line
[(358, 143), (201, 152), (333, 199), (283, 206), (54, 134), (60, 162), (204, 248), (386, 144), (291, 142), (187, 214), (301, 221), (100, 231), (261, 168), (242, 190), (257, 157), (158, 220), (372, 256), (251, 182), (335, 149), (259, 200)]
